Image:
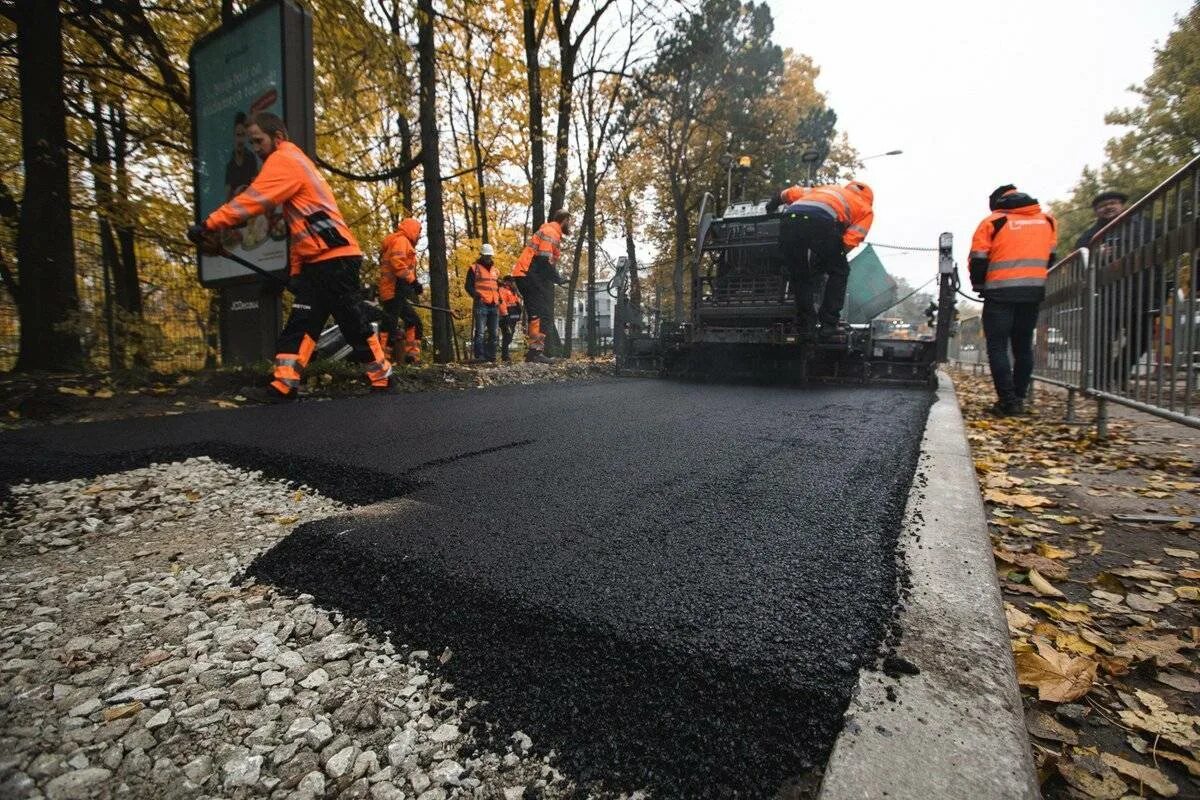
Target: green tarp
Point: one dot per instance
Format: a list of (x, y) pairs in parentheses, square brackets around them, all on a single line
[(870, 290)]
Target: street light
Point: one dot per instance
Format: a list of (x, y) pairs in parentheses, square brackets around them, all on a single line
[(881, 155)]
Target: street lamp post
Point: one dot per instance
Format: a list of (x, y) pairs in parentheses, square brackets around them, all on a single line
[(881, 155)]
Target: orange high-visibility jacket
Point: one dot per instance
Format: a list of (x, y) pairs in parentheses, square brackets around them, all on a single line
[(544, 242), (289, 179), (851, 205), (1017, 244), (487, 283), (397, 258), (508, 300)]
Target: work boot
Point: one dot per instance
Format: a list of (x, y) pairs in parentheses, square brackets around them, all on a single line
[(537, 357), (267, 394), (1006, 408), (829, 331), (392, 387)]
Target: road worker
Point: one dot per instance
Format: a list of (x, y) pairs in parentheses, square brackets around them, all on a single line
[(483, 285), (820, 225), (399, 289), (1011, 254), (324, 257), (510, 314), (536, 273)]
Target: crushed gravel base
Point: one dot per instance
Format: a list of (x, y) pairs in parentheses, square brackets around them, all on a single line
[(136, 662)]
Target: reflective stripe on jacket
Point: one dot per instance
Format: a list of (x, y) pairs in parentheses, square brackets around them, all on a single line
[(487, 281), (1017, 244), (398, 258), (545, 241), (289, 179), (851, 208)]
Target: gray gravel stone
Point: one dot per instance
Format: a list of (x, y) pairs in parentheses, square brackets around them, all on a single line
[(76, 784), (241, 770)]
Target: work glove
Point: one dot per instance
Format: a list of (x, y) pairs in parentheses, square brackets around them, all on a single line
[(418, 288), (559, 280), (208, 241)]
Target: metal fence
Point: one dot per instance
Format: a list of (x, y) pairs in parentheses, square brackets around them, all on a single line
[(1120, 321)]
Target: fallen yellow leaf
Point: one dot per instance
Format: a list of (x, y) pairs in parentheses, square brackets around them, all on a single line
[(1017, 619), (1050, 551), (103, 394), (1069, 642), (74, 391), (1178, 552), (1183, 525), (1188, 592), (1142, 774), (1178, 729), (1192, 765), (1019, 500), (1071, 613), (287, 520), (1062, 519), (1043, 586), (1058, 678)]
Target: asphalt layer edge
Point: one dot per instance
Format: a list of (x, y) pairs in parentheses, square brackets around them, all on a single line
[(948, 722)]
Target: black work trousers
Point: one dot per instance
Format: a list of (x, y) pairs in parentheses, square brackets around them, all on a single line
[(811, 246), (1010, 326), (400, 309), (508, 327), (537, 296), (321, 289)]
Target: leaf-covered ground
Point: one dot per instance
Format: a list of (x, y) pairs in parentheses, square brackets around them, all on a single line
[(1104, 615)]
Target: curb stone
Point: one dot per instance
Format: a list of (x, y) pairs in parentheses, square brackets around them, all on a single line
[(955, 728)]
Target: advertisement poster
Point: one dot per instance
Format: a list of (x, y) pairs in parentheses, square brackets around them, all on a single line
[(237, 74)]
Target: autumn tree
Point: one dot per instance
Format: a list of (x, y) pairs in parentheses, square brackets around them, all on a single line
[(1163, 130)]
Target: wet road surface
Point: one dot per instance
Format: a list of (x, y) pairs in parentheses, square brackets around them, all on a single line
[(671, 585)]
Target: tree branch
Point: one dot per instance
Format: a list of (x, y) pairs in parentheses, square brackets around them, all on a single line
[(374, 177)]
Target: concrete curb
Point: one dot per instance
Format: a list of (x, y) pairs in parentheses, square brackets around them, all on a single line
[(956, 729)]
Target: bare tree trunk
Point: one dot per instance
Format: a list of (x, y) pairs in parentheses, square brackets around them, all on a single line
[(45, 239), (435, 224), (572, 293), (566, 88), (102, 164), (126, 279), (405, 180), (681, 241), (635, 283), (537, 144), (589, 225)]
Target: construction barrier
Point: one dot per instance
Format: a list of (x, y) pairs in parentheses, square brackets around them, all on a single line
[(1120, 320)]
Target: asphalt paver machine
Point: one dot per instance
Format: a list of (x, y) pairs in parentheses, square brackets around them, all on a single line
[(741, 322)]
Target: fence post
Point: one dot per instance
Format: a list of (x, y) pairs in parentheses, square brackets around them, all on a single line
[(1070, 404), (1102, 419)]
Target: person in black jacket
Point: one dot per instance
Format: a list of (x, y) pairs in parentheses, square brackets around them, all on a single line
[(1107, 206)]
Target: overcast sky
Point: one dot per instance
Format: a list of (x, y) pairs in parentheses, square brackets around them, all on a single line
[(976, 95)]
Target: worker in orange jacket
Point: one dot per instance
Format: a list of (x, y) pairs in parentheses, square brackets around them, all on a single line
[(324, 257), (820, 225), (536, 274), (510, 314), (399, 289), (1011, 254), (483, 286)]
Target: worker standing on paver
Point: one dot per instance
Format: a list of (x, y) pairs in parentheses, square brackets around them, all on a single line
[(483, 285), (536, 273), (826, 222), (1011, 254), (510, 314), (324, 257), (399, 289)]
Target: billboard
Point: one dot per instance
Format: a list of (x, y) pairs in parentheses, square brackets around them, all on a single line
[(262, 61)]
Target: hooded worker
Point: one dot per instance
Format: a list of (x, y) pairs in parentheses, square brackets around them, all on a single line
[(483, 285), (536, 274), (399, 289), (1011, 254), (324, 257), (820, 225)]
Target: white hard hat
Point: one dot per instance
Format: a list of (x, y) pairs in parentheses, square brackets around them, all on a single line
[(487, 250)]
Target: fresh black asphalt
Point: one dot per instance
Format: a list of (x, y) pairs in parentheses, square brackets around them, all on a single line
[(670, 585)]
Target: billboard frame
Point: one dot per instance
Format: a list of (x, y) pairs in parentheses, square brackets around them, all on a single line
[(295, 26)]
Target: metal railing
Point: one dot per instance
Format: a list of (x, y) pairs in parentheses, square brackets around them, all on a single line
[(1120, 322)]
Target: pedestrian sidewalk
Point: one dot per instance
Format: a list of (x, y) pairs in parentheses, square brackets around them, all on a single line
[(1103, 604)]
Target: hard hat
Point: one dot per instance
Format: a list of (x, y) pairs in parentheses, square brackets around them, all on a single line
[(487, 250)]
